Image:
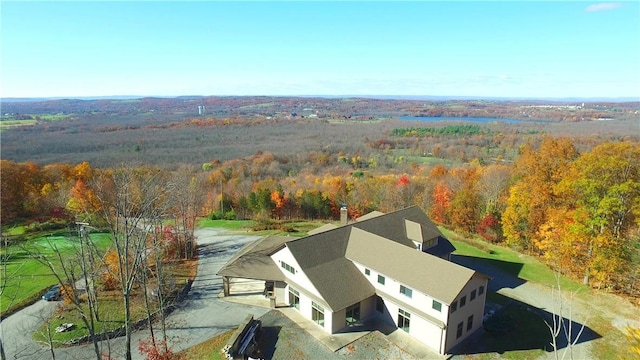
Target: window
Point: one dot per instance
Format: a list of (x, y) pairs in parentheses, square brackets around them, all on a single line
[(317, 313), (294, 298), (380, 279), (463, 301), (454, 306), (436, 305), (288, 267), (473, 295), (379, 304), (481, 290), (459, 331), (406, 291), (367, 272), (404, 318), (353, 314), (469, 322)]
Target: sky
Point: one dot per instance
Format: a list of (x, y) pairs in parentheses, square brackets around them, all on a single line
[(519, 49)]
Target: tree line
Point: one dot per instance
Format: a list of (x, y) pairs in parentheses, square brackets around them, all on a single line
[(577, 211)]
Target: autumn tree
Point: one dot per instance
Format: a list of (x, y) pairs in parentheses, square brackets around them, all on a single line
[(537, 173), (605, 183)]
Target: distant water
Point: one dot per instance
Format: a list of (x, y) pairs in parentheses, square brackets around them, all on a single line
[(478, 120)]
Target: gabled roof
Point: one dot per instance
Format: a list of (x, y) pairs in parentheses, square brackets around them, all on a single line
[(253, 261), (382, 242), (323, 228), (438, 278), (322, 258), (393, 225)]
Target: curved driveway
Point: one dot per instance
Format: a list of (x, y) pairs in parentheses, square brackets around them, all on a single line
[(201, 316)]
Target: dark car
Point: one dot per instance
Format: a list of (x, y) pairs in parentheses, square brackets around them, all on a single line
[(52, 294)]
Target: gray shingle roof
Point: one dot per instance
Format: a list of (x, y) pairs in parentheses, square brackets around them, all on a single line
[(426, 273), (392, 225), (253, 261)]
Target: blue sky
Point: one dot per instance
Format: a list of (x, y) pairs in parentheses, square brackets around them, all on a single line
[(486, 49)]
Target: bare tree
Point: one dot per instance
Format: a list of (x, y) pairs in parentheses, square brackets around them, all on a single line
[(131, 200), (562, 321), (186, 201)]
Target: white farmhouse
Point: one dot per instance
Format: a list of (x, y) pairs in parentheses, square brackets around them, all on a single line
[(392, 266)]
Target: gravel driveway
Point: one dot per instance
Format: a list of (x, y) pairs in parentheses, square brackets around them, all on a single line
[(201, 316), (600, 305)]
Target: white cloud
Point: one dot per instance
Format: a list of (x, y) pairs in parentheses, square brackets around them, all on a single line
[(602, 7)]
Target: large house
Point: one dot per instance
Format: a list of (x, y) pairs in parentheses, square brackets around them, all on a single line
[(392, 266)]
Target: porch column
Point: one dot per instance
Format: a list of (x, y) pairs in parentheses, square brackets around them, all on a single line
[(225, 285)]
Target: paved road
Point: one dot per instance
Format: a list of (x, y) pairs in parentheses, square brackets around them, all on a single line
[(17, 329), (200, 317)]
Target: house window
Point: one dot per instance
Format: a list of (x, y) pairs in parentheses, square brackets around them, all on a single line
[(353, 314), (463, 301), (404, 318), (406, 291), (379, 304), (481, 290), (381, 279), (317, 313), (367, 272), (473, 295), (454, 306), (294, 298), (288, 267), (459, 331), (469, 322), (436, 305)]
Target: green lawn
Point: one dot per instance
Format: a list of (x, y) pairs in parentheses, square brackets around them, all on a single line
[(26, 278), (111, 312), (227, 224), (531, 269)]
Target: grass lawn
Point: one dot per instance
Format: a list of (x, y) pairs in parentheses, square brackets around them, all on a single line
[(208, 349), (26, 278), (227, 224), (300, 228), (531, 269), (110, 307)]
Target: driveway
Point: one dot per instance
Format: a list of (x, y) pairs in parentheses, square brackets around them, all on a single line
[(17, 329), (201, 316)]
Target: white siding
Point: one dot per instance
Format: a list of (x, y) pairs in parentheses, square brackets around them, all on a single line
[(299, 277), (472, 307), (306, 308), (421, 329), (418, 299)]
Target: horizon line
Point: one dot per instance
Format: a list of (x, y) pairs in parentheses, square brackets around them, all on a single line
[(328, 96)]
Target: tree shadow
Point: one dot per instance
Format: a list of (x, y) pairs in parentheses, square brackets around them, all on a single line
[(520, 326), (504, 274)]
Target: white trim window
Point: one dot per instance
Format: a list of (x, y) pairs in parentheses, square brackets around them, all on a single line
[(404, 320), (317, 313), (294, 298)]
